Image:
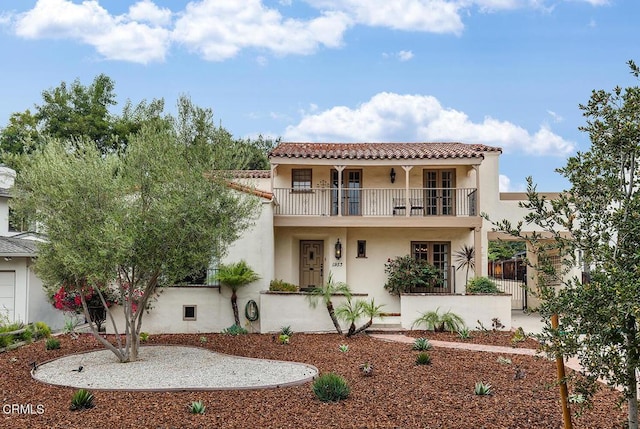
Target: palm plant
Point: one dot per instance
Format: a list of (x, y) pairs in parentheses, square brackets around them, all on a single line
[(434, 321), (325, 293), (235, 276), (351, 312), (466, 258)]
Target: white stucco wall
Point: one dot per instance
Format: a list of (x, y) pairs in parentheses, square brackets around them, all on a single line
[(293, 310), (472, 308)]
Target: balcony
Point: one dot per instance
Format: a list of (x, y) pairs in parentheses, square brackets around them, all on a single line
[(377, 202)]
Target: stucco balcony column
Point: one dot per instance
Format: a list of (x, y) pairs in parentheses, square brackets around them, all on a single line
[(407, 169)]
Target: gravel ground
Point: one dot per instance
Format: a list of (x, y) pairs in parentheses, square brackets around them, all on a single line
[(399, 394), (198, 369)]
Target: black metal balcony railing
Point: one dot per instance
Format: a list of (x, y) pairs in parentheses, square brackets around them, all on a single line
[(377, 202)]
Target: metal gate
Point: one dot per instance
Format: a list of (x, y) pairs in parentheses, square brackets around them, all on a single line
[(510, 276)]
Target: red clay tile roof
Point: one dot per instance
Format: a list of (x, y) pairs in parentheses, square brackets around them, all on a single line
[(381, 150), (249, 190), (251, 174)]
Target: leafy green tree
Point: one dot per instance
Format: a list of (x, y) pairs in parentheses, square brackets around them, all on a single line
[(325, 293), (235, 276), (501, 250), (135, 220), (77, 111), (601, 213)]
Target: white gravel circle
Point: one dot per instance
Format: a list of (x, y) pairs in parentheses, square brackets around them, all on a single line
[(172, 368)]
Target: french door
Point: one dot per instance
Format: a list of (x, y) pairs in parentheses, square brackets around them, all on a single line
[(440, 197), (351, 198)]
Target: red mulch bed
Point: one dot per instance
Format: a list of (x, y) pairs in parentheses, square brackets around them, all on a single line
[(493, 338), (400, 394)]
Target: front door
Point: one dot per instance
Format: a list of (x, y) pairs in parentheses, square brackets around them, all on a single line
[(311, 263)]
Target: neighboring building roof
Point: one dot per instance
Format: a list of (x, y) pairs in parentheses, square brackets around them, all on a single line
[(381, 150), (10, 246), (249, 190), (251, 174)]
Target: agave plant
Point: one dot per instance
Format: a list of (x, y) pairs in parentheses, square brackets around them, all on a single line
[(421, 344), (482, 388), (82, 399), (197, 407)]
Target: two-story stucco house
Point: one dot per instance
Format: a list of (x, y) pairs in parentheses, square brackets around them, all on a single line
[(345, 209)]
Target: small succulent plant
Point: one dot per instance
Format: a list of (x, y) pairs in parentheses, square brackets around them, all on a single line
[(421, 344), (286, 330), (503, 360), (483, 389), (423, 359), (197, 407), (464, 333), (81, 400), (144, 336), (52, 343), (366, 369), (343, 348), (331, 387)]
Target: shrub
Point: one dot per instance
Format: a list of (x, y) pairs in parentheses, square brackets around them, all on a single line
[(434, 321), (52, 344), (423, 359), (197, 407), (407, 273), (282, 286), (421, 344), (482, 285), (235, 330), (26, 335), (5, 340), (518, 337), (41, 330), (283, 339), (81, 400), (482, 388), (331, 387)]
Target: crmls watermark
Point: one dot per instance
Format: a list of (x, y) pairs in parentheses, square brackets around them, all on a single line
[(23, 409)]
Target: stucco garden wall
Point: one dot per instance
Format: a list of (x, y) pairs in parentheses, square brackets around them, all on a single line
[(280, 309), (472, 308)]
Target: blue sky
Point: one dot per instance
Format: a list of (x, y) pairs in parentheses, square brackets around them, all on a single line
[(508, 73)]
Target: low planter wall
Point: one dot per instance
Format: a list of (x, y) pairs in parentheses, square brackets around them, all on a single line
[(278, 309), (472, 308)]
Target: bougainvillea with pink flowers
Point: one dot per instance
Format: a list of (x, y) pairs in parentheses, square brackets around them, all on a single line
[(69, 299)]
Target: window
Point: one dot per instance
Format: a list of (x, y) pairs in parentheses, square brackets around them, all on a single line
[(301, 179), (362, 249), (437, 254), (189, 312)]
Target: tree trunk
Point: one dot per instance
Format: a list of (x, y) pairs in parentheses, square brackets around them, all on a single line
[(632, 381), (234, 305), (362, 328), (334, 319)]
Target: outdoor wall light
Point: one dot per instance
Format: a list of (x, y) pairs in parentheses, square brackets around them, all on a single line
[(392, 175), (338, 249)]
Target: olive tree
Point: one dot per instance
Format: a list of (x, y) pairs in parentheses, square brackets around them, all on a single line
[(137, 219), (600, 217)]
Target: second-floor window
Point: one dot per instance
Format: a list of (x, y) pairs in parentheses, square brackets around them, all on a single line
[(301, 179)]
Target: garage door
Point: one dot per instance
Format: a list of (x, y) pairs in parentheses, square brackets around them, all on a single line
[(8, 293)]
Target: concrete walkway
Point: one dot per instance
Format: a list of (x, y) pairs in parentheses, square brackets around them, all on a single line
[(399, 338)]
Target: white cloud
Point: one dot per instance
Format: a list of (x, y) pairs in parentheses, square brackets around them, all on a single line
[(435, 16), (219, 29), (504, 183), (114, 37), (405, 55), (147, 11), (556, 118), (389, 117)]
